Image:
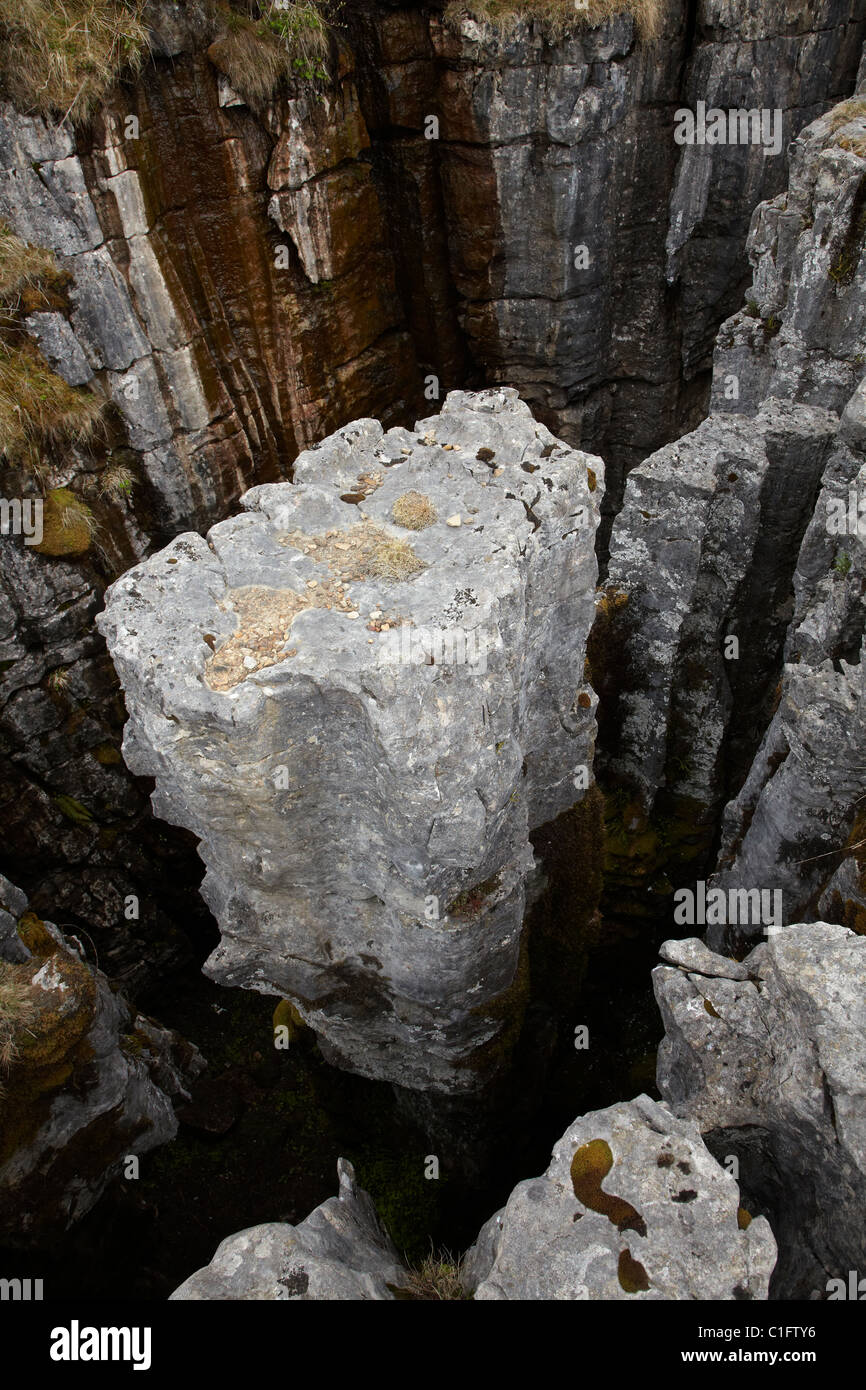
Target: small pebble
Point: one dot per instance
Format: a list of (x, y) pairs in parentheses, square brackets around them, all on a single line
[(453, 520), (497, 472), (249, 663), (312, 583)]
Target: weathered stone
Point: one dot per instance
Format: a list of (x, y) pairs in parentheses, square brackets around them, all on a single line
[(339, 1251), (632, 1206), (364, 802), (86, 1087), (771, 1069), (692, 954)]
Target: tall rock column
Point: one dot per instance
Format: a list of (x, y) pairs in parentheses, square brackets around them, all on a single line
[(362, 695)]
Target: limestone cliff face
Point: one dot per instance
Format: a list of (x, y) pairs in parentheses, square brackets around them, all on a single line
[(736, 573), (245, 281)]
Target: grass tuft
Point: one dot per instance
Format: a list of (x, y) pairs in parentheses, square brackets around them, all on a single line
[(60, 58), (16, 1010), (436, 1279), (414, 511), (289, 41), (23, 268), (38, 408), (394, 559)]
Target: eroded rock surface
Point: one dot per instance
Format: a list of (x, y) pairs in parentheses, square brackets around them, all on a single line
[(734, 613), (772, 1070), (339, 1251), (632, 1206), (364, 767), (84, 1083)]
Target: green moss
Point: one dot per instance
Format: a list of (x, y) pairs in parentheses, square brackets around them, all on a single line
[(68, 525), (472, 900), (35, 935), (589, 1167), (406, 1202), (107, 755), (73, 810), (287, 1016)]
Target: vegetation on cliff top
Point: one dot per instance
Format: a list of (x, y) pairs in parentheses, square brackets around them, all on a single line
[(61, 57), (560, 16), (281, 40)]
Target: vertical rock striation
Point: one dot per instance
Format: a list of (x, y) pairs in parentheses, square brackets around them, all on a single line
[(736, 578)]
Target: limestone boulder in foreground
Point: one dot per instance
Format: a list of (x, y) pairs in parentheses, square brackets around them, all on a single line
[(361, 695), (339, 1252), (772, 1069), (632, 1206)]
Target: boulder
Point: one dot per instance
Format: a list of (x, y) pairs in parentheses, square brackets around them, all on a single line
[(339, 1252), (772, 1070), (632, 1206), (85, 1083)]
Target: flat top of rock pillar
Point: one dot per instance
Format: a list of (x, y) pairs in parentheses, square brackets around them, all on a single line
[(426, 530)]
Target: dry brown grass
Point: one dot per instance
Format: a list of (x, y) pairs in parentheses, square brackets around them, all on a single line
[(436, 1279), (23, 268), (16, 1010), (38, 410), (116, 482), (394, 559), (288, 42), (560, 17), (59, 58), (364, 551), (853, 144), (847, 111), (414, 511)]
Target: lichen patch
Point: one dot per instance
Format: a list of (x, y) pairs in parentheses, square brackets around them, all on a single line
[(265, 618)]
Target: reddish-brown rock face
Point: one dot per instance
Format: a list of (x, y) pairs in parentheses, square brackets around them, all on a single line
[(294, 331)]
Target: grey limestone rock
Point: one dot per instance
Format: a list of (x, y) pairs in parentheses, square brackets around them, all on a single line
[(363, 757), (338, 1252), (772, 1070), (632, 1206)]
